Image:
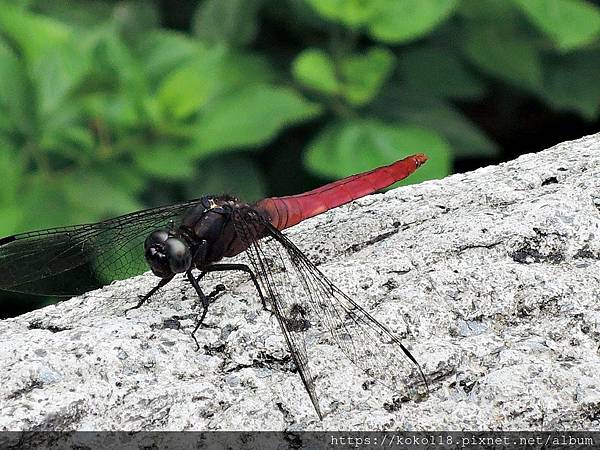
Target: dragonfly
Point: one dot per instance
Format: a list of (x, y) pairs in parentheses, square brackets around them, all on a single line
[(200, 234)]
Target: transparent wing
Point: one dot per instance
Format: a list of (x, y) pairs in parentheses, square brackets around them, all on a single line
[(302, 296), (249, 228), (72, 260)]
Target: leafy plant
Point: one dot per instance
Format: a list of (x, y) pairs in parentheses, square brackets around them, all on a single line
[(103, 111)]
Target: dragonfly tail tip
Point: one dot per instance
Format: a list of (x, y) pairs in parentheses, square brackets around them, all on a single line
[(420, 159)]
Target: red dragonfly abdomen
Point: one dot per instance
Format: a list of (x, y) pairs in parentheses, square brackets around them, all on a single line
[(285, 212)]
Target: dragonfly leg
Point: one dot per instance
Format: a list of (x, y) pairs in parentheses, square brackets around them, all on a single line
[(241, 267), (144, 298), (205, 302)]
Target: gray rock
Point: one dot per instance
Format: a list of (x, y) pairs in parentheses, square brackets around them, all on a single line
[(491, 278)]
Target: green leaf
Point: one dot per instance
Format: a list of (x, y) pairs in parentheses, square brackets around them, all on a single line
[(390, 21), (120, 65), (11, 218), (249, 117), (114, 113), (165, 162), (490, 12), (77, 197), (94, 196), (162, 51), (120, 111), (43, 203), (361, 74), (32, 33), (12, 168), (56, 74), (352, 13), (466, 139), (79, 137), (54, 134), (52, 57), (405, 20), (16, 98), (209, 74), (134, 18), (244, 68), (78, 14), (11, 173), (571, 82), (124, 100), (569, 23), (439, 72), (364, 74), (346, 148), (402, 105), (315, 69), (232, 22), (127, 177), (508, 58), (191, 86), (235, 174)]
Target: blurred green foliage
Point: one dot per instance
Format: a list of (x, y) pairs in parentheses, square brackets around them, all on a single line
[(104, 111)]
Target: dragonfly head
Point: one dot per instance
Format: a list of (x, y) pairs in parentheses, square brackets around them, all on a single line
[(167, 254)]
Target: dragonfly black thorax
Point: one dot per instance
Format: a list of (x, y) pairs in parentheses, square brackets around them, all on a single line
[(205, 235)]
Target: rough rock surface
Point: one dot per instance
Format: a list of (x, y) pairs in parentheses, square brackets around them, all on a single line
[(493, 277)]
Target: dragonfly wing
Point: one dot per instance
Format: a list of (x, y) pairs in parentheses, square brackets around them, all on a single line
[(72, 260), (269, 268), (303, 296)]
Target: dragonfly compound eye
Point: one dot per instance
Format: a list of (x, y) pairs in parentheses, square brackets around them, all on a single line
[(178, 254), (156, 237), (158, 261), (154, 250)]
